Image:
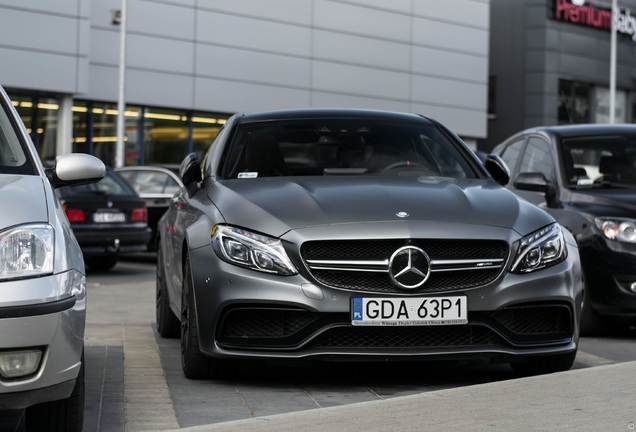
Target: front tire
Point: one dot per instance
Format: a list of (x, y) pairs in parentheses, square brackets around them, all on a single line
[(547, 364), (167, 323), (66, 415)]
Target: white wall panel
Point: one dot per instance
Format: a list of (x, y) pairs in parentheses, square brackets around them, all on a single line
[(462, 122), (436, 62), (251, 33), (227, 96), (36, 70), (462, 12), (360, 81), (341, 48), (450, 36), (162, 55), (349, 18), (160, 19), (450, 93), (403, 6), (327, 100), (159, 89), (291, 11), (46, 33), (253, 67)]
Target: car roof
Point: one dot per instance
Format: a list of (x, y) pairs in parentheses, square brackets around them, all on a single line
[(313, 113), (581, 129)]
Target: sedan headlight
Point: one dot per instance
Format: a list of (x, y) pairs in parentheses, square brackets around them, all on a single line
[(251, 250), (541, 249), (619, 229), (26, 251)]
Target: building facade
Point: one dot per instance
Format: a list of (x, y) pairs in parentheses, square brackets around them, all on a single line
[(189, 64), (550, 64)]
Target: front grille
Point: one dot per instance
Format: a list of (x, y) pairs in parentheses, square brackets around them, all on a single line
[(363, 265), (530, 323), (296, 329), (407, 337)]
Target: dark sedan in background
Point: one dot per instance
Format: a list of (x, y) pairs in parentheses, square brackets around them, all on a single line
[(585, 177), (360, 235), (108, 219)]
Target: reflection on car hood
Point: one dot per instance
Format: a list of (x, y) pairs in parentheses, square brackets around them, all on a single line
[(277, 205), (25, 195), (606, 202)]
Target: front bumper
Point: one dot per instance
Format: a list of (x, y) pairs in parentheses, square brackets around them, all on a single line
[(247, 314), (54, 324), (610, 270)]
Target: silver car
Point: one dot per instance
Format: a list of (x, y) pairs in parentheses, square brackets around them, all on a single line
[(42, 283), (360, 235)]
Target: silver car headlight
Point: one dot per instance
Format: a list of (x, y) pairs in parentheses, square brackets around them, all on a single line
[(619, 229), (26, 251), (251, 250), (541, 249)]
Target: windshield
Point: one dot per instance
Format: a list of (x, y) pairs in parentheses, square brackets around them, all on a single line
[(14, 159), (321, 147), (111, 185), (600, 161)]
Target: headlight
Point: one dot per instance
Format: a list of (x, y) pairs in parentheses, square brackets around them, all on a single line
[(251, 250), (541, 249), (619, 229), (26, 251)]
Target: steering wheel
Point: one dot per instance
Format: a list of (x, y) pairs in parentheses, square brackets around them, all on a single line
[(407, 164)]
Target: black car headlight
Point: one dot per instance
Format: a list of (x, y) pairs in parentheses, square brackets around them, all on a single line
[(26, 251), (541, 249), (619, 229), (251, 250)]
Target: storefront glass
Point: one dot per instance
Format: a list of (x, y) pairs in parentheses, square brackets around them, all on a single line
[(205, 128), (40, 116), (152, 136), (574, 102)]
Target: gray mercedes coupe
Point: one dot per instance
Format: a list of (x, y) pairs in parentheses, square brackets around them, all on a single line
[(335, 234)]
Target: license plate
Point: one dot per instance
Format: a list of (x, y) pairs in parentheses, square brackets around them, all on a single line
[(109, 217), (409, 311)]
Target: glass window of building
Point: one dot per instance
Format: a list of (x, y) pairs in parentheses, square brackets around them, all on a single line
[(104, 133), (40, 116), (81, 128), (205, 128), (574, 102), (166, 136)]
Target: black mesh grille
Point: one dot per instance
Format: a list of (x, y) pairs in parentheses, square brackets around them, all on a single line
[(406, 337), (381, 250), (536, 320), (265, 323), (292, 329)]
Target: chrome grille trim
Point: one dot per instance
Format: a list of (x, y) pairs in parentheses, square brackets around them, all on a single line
[(383, 266)]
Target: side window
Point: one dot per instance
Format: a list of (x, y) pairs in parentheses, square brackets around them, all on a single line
[(538, 158), (511, 154)]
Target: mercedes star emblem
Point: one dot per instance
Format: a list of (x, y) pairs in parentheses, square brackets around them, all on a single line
[(409, 267)]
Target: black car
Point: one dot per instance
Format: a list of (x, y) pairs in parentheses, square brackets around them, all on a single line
[(156, 185), (360, 235), (585, 177), (108, 219)]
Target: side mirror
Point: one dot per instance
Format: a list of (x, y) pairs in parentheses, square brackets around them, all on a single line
[(532, 181), (75, 169), (497, 169), (190, 170)]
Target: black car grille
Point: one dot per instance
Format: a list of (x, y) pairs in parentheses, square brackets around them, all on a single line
[(363, 265), (296, 329)]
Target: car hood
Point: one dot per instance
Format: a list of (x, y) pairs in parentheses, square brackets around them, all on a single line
[(276, 205), (606, 202), (29, 192)]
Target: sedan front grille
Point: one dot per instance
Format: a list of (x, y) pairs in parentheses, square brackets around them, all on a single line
[(363, 265), (296, 329)]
